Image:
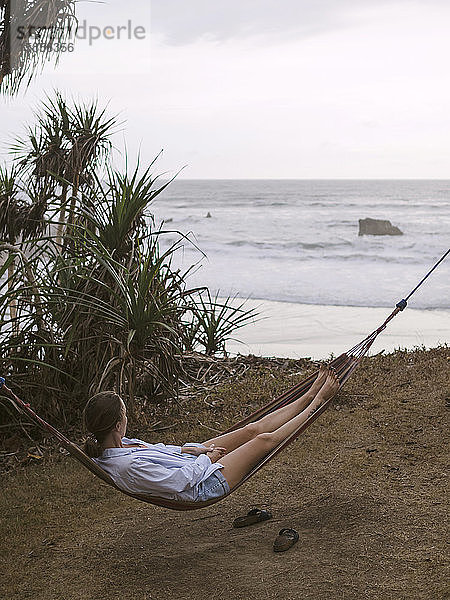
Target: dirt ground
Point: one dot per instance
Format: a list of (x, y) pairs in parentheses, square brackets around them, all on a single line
[(365, 487)]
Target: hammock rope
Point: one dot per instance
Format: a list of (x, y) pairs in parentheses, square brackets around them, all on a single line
[(344, 365), (428, 274)]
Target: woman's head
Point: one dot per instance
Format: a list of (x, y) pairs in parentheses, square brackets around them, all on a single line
[(104, 413)]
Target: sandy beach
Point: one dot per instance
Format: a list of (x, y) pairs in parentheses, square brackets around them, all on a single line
[(305, 330)]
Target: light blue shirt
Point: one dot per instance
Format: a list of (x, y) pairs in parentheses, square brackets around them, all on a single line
[(158, 469)]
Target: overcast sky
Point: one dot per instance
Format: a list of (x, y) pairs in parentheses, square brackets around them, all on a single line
[(267, 88)]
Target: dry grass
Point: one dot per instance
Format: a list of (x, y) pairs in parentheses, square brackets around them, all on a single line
[(365, 488)]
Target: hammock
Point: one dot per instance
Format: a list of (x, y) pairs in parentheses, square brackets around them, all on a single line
[(345, 365)]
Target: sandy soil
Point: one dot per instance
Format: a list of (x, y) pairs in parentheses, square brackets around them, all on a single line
[(365, 488)]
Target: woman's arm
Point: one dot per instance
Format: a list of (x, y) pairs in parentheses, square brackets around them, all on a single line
[(212, 451)]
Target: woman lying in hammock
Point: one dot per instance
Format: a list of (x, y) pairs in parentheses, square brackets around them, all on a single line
[(193, 472)]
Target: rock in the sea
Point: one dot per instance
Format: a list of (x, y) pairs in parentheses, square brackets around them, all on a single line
[(208, 216), (377, 227)]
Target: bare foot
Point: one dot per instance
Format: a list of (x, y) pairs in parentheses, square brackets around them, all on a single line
[(329, 388), (327, 391), (320, 380)]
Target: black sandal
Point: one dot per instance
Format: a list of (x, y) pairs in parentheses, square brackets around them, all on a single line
[(285, 539), (256, 515)]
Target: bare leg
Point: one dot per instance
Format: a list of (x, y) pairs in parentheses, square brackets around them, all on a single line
[(241, 460), (270, 422)]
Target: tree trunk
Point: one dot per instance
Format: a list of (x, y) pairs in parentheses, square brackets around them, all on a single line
[(5, 43), (13, 303), (62, 215), (29, 275), (73, 201)]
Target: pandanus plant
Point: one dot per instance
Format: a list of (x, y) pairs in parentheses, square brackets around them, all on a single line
[(12, 216), (22, 54), (22, 216), (118, 297), (98, 303), (67, 144), (215, 319)]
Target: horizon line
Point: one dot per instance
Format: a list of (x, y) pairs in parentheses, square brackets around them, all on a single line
[(312, 178)]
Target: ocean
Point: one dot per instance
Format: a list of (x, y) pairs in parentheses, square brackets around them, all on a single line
[(297, 241)]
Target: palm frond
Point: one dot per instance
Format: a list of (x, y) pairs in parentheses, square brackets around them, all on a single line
[(215, 320), (23, 53)]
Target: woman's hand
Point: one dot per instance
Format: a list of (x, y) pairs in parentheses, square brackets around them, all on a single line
[(214, 452)]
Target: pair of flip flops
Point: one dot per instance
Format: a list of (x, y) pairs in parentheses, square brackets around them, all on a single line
[(286, 538)]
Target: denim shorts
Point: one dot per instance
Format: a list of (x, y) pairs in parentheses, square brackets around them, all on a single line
[(214, 487)]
